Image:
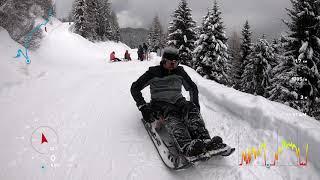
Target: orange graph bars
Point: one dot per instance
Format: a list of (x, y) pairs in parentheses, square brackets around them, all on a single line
[(254, 153)]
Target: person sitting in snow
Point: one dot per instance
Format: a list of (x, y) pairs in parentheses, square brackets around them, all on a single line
[(182, 118), (127, 56), (113, 57)]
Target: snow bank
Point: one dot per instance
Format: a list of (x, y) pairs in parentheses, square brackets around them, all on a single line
[(261, 113), (60, 45), (59, 48), (12, 70)]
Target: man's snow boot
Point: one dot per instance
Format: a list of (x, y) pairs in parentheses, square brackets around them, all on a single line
[(214, 143), (194, 148)]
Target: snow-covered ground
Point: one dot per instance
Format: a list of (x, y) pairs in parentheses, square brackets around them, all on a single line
[(71, 88)]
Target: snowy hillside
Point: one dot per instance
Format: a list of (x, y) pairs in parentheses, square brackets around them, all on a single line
[(92, 126)]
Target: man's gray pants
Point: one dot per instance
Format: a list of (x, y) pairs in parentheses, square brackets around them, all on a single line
[(182, 121)]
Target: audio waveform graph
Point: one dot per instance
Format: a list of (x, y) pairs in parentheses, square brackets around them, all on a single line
[(259, 153)]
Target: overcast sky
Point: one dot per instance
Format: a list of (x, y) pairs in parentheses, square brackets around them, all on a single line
[(264, 15)]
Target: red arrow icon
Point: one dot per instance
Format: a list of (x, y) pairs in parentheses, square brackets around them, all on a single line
[(43, 139)]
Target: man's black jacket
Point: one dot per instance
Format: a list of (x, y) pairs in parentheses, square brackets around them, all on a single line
[(164, 85)]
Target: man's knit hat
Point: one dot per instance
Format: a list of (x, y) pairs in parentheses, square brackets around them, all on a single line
[(170, 53)]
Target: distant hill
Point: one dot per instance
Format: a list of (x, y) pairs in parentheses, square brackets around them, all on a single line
[(133, 37)]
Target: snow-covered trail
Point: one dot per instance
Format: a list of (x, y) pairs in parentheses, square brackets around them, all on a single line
[(101, 136), (88, 102)]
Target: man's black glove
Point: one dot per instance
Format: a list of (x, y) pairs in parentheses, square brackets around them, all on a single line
[(147, 113)]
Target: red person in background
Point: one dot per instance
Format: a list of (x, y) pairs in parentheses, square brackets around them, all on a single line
[(113, 57)]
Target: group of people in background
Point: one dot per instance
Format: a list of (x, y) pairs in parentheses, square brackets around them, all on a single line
[(143, 52), (113, 57)]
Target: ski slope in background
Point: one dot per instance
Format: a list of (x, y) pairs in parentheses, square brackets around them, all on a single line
[(70, 87)]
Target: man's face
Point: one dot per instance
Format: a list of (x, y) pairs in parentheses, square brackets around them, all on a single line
[(170, 64)]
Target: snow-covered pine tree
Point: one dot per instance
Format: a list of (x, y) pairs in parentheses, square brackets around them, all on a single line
[(245, 50), (150, 41), (70, 17), (277, 46), (104, 30), (234, 55), (278, 52), (315, 108), (46, 6), (2, 2), (256, 76), (91, 20), (3, 15), (194, 63), (283, 88), (211, 49), (79, 17), (199, 31), (181, 33), (114, 27), (155, 36), (303, 48), (54, 9), (163, 41)]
